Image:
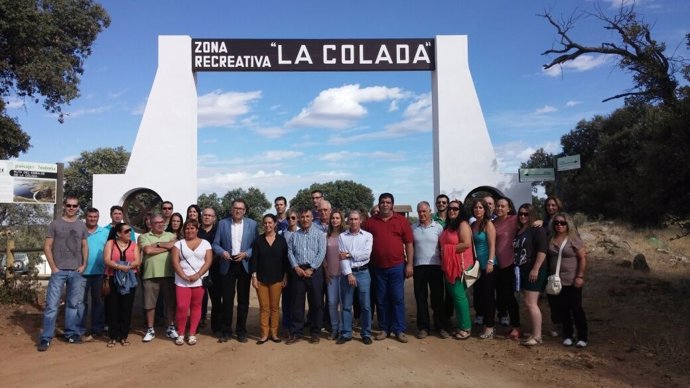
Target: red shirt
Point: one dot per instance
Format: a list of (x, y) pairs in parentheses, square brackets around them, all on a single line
[(389, 237)]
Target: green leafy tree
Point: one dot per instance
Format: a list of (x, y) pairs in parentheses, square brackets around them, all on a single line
[(79, 173), (342, 194), (211, 200), (43, 46), (257, 204)]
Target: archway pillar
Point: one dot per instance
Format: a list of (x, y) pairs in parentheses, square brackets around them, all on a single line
[(463, 155), (164, 156)]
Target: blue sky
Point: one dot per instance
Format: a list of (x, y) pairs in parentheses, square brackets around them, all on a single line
[(283, 131)]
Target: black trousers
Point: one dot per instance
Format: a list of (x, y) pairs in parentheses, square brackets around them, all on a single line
[(505, 292), (119, 312), (484, 300), (215, 294), (570, 305), (312, 288), (553, 307), (236, 279), (428, 284)]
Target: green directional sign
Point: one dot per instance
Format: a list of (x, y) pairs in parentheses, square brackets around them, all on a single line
[(568, 163), (536, 174)]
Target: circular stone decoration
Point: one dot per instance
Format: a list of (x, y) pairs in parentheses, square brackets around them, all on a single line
[(137, 205)]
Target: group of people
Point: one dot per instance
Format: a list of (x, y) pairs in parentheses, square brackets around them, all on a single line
[(346, 266)]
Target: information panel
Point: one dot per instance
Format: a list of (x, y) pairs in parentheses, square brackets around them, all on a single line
[(27, 182), (312, 54)]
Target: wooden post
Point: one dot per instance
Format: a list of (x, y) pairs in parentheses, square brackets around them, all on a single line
[(9, 263), (57, 209)]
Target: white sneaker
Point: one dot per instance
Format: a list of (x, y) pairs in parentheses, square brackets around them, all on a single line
[(567, 342), (150, 335), (581, 344), (179, 340), (171, 332), (191, 340)]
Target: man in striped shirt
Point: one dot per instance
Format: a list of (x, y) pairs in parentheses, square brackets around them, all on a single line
[(306, 251)]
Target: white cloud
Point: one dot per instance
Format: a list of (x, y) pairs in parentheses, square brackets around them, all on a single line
[(582, 63), (270, 132), (280, 155), (622, 3), (510, 155), (85, 112), (14, 102), (353, 156), (416, 118), (545, 109), (338, 108), (70, 158), (222, 109), (572, 103)]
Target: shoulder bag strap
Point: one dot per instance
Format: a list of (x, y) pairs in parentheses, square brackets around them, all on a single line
[(185, 259), (560, 255)]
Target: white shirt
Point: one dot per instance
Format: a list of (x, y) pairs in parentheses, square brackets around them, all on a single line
[(236, 229)]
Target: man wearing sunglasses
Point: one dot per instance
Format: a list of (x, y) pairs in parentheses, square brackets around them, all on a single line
[(67, 253), (441, 214)]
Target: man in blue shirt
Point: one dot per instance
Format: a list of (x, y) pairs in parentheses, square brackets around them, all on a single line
[(306, 251), (94, 276)]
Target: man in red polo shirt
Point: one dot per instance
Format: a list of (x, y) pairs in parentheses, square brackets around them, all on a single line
[(392, 259)]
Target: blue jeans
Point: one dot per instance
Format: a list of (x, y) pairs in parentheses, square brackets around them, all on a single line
[(390, 298), (333, 290), (74, 303), (347, 293), (93, 288)]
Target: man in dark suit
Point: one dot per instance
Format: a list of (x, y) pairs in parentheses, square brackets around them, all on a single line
[(233, 245)]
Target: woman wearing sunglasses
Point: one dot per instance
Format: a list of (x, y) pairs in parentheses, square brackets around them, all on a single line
[(572, 273), (484, 236), (530, 254), (552, 205), (455, 241), (121, 258)]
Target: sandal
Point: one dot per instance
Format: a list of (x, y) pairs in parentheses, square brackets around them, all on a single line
[(179, 340), (531, 341), (462, 335), (191, 340), (487, 334), (111, 344), (124, 342)]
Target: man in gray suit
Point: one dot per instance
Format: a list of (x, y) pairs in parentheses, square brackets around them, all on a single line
[(233, 247)]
